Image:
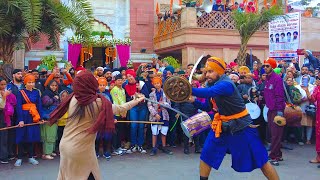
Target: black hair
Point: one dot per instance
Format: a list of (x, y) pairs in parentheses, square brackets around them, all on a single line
[(277, 34), (34, 70), (295, 33), (2, 79), (190, 65), (271, 35), (283, 34), (289, 33)]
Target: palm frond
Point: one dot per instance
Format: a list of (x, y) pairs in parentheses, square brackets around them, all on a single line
[(31, 14)]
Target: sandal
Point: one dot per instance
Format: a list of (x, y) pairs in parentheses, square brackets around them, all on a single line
[(314, 161), (47, 157)]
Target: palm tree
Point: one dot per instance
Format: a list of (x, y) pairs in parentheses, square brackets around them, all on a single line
[(22, 20), (249, 23)]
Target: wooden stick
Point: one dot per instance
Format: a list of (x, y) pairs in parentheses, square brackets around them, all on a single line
[(141, 122), (17, 126)]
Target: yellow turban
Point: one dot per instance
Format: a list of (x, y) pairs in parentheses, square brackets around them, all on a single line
[(244, 69), (29, 78), (216, 64)]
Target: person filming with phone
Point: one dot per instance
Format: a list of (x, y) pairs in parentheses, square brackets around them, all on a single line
[(58, 76)]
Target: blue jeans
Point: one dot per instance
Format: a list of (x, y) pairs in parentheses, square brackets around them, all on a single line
[(137, 113)]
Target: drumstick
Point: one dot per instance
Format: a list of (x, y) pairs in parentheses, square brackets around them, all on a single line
[(141, 122), (17, 126)]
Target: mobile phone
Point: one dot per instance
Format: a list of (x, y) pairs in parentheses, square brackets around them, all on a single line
[(150, 72), (305, 81)]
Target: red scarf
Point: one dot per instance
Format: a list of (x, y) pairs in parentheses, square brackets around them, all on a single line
[(85, 88), (131, 89)]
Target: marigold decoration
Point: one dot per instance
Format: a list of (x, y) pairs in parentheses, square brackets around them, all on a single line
[(256, 3), (274, 2), (111, 54), (86, 54)]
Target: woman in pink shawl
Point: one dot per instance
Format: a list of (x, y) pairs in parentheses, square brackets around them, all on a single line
[(315, 97)]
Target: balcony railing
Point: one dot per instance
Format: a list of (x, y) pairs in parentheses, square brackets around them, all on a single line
[(220, 20)]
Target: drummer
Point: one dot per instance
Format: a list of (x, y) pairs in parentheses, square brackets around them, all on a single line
[(246, 87), (231, 128)]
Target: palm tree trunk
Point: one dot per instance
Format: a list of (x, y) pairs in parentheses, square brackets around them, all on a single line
[(6, 52), (242, 52)]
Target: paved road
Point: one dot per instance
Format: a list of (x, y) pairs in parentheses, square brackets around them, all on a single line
[(164, 167)]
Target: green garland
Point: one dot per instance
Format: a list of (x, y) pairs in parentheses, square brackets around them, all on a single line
[(172, 61), (94, 41)]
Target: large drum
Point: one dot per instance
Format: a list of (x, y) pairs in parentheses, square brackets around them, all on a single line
[(265, 113), (253, 110), (196, 124), (293, 115)]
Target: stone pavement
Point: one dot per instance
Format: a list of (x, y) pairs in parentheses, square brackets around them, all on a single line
[(175, 167)]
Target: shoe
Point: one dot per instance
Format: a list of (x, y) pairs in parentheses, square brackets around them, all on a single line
[(118, 152), (197, 151), (107, 155), (4, 161), (186, 151), (46, 157), (308, 142), (11, 157), (167, 151), (54, 154), (153, 151), (141, 150), (274, 162), (97, 154), (301, 143), (18, 163), (132, 149), (33, 161)]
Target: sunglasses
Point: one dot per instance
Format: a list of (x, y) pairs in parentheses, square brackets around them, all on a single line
[(266, 66)]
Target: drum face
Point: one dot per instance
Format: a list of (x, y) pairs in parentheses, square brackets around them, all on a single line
[(265, 113), (253, 110), (177, 89), (196, 124)]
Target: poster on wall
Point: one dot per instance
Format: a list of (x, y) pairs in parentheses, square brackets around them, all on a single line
[(284, 36)]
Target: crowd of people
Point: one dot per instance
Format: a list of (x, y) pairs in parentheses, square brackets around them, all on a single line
[(32, 95)]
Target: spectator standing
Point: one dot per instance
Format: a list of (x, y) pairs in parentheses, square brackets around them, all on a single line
[(275, 101)]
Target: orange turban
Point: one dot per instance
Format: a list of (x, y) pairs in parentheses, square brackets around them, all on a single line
[(244, 69), (216, 64), (29, 78), (102, 80), (157, 80), (272, 62)]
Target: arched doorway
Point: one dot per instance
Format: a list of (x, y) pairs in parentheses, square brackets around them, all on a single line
[(102, 30)]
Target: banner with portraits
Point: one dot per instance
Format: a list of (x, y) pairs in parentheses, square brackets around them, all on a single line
[(284, 36)]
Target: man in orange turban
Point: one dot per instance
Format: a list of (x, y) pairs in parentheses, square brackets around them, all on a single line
[(231, 125), (275, 101)]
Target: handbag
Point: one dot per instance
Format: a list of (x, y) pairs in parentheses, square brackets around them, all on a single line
[(311, 110)]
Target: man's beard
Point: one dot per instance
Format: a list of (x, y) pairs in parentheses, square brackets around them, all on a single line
[(109, 79), (18, 80)]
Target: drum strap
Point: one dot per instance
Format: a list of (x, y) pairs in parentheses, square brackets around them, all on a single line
[(218, 119)]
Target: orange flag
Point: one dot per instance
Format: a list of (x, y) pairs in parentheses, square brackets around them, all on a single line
[(265, 3), (244, 2), (257, 5), (171, 4), (157, 9), (274, 2)]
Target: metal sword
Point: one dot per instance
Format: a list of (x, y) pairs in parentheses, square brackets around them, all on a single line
[(166, 106)]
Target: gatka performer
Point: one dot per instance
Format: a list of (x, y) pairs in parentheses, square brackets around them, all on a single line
[(231, 128), (89, 113)]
